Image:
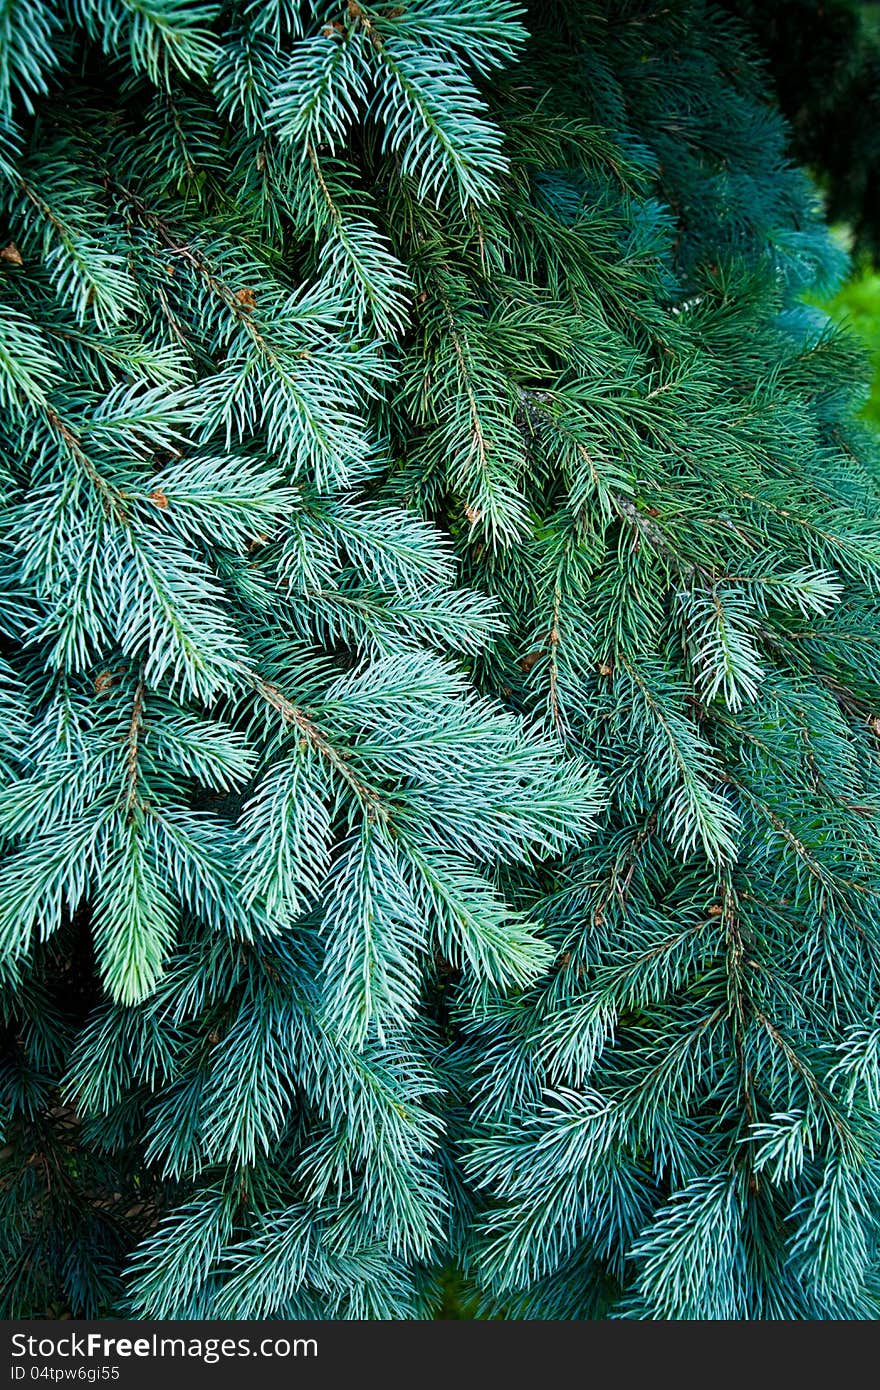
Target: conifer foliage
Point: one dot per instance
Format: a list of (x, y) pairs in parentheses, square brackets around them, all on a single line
[(440, 672), (823, 59)]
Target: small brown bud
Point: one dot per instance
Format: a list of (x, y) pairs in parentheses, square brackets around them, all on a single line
[(11, 254), (529, 660), (158, 497), (246, 298)]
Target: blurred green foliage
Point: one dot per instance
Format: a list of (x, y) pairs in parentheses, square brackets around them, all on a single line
[(457, 1303), (822, 58), (858, 304)]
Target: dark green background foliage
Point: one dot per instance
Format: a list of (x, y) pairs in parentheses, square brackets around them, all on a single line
[(441, 672), (823, 59), (823, 63)]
